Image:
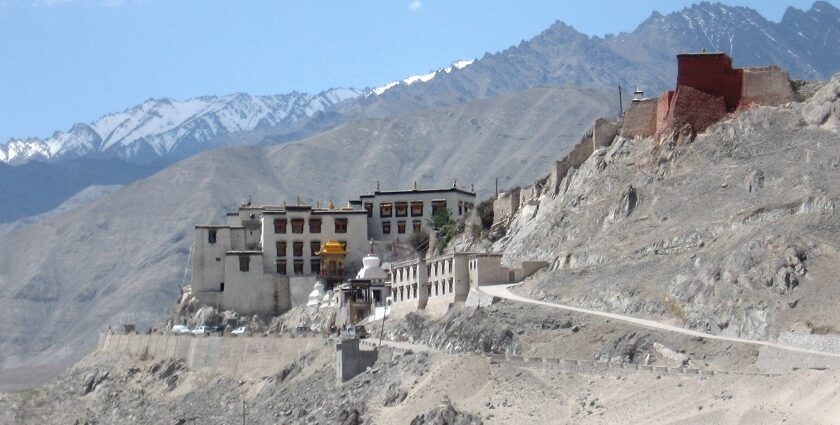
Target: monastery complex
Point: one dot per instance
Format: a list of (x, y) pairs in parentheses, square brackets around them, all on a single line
[(265, 260)]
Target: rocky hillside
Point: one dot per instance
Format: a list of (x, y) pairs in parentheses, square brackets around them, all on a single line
[(734, 232), (121, 259)]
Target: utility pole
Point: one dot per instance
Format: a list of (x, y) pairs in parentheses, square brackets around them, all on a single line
[(620, 104)]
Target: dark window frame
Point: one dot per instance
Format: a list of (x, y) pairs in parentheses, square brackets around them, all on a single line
[(439, 205), (401, 209), (282, 248), (315, 225), (296, 221), (314, 265), (401, 227), (280, 225), (313, 250), (415, 212), (386, 209), (297, 249), (295, 269), (282, 267), (244, 263), (386, 227), (341, 225), (211, 236)]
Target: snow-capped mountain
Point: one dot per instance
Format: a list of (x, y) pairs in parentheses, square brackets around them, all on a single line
[(421, 77), (171, 129)]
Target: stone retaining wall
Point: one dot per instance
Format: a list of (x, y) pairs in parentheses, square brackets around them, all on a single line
[(258, 354)]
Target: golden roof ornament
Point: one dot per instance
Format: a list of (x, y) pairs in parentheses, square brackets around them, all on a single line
[(332, 248)]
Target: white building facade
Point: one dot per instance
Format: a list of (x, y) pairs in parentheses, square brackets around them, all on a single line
[(396, 215), (266, 257)]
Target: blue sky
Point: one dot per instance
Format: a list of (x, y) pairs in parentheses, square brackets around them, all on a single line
[(66, 61)]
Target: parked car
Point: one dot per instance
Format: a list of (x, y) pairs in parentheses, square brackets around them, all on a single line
[(242, 330), (204, 330), (181, 329), (358, 332)]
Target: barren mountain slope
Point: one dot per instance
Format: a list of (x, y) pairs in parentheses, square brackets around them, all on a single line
[(734, 233), (121, 259)]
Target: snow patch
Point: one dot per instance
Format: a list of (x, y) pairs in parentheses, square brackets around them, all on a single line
[(461, 64)]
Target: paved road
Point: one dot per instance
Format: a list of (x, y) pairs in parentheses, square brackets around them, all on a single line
[(503, 291)]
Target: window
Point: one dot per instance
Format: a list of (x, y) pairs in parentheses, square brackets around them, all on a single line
[(385, 210), (369, 208), (417, 209), (450, 285), (297, 249), (244, 263), (341, 225), (314, 225), (281, 267), (386, 227), (401, 226), (315, 265), (314, 247), (297, 225), (460, 208), (211, 236), (281, 248), (438, 206), (222, 287), (298, 266), (417, 225), (279, 225), (401, 209)]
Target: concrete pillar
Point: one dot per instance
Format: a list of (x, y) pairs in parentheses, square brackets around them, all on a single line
[(422, 283)]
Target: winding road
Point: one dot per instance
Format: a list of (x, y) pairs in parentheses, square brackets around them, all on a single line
[(503, 291)]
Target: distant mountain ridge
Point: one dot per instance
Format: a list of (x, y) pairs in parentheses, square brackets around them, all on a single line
[(803, 42), (171, 129)]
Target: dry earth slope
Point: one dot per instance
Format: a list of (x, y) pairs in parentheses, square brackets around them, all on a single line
[(122, 258), (734, 233)]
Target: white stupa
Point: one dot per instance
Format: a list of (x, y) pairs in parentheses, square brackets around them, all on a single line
[(372, 269), (316, 295)]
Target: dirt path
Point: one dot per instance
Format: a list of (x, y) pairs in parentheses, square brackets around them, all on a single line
[(503, 291)]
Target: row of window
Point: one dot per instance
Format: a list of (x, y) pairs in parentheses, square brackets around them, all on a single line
[(416, 225), (297, 248), (297, 225), (436, 288), (282, 265), (401, 209), (298, 266)]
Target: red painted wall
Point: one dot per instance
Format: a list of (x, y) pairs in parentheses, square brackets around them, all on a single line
[(711, 73)]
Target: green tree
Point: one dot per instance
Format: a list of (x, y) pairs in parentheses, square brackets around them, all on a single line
[(444, 227)]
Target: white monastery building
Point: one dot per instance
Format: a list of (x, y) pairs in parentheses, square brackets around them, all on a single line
[(267, 259)]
